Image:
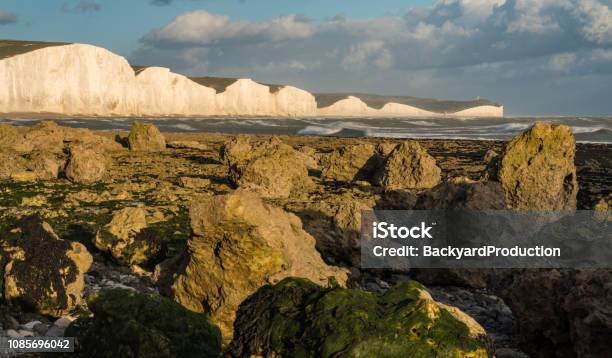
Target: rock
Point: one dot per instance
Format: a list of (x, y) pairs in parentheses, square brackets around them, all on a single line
[(239, 245), (298, 318), (47, 166), (62, 322), (10, 164), (146, 137), (409, 166), (13, 333), (309, 157), (40, 329), (127, 238), (193, 183), (25, 333), (85, 166), (335, 223), (537, 169), (46, 136), (469, 196), (24, 176), (40, 270), (273, 170), (30, 325), (561, 313), (351, 163), (235, 150), (186, 144), (55, 331), (128, 324)]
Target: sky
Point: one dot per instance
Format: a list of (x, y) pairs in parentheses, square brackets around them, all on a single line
[(536, 57)]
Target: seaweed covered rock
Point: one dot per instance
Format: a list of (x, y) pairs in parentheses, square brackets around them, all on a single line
[(127, 238), (40, 270), (409, 166), (145, 137), (537, 169), (351, 163), (85, 166), (298, 318), (127, 324), (273, 170), (561, 313), (239, 245), (11, 163)]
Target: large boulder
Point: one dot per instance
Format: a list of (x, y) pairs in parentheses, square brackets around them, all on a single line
[(298, 318), (409, 166), (273, 170), (537, 169), (39, 269), (239, 245), (335, 222), (127, 238), (351, 163), (146, 137), (561, 313), (46, 165), (127, 324), (85, 166), (11, 163)]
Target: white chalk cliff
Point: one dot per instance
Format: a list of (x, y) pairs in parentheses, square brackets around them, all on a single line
[(85, 80)]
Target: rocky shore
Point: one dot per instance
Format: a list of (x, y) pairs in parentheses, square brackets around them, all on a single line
[(202, 244)]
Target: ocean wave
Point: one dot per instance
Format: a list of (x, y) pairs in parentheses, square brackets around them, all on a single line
[(183, 126), (598, 129)]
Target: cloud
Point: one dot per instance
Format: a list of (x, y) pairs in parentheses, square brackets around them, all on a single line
[(81, 6), (481, 42), (7, 18)]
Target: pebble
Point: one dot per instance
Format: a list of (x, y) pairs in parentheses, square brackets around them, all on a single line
[(55, 331), (25, 333), (13, 333), (30, 325), (41, 329), (62, 322)]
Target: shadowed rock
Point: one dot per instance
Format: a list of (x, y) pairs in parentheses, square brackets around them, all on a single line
[(537, 169), (146, 137), (126, 324), (239, 245), (298, 318), (409, 166), (40, 270)]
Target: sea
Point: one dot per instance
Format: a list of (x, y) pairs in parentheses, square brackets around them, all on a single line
[(586, 129)]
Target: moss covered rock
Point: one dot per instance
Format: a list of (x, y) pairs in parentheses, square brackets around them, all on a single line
[(146, 138), (537, 169), (239, 245), (126, 324), (297, 318), (40, 270), (409, 166)]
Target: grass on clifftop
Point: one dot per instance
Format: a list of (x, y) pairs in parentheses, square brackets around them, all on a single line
[(10, 48)]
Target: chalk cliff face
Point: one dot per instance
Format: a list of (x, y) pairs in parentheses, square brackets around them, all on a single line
[(78, 79)]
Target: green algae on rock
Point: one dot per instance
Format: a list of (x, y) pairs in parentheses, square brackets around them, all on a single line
[(126, 324), (296, 318)]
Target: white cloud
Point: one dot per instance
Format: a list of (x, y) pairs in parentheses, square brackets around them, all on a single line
[(562, 62)]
